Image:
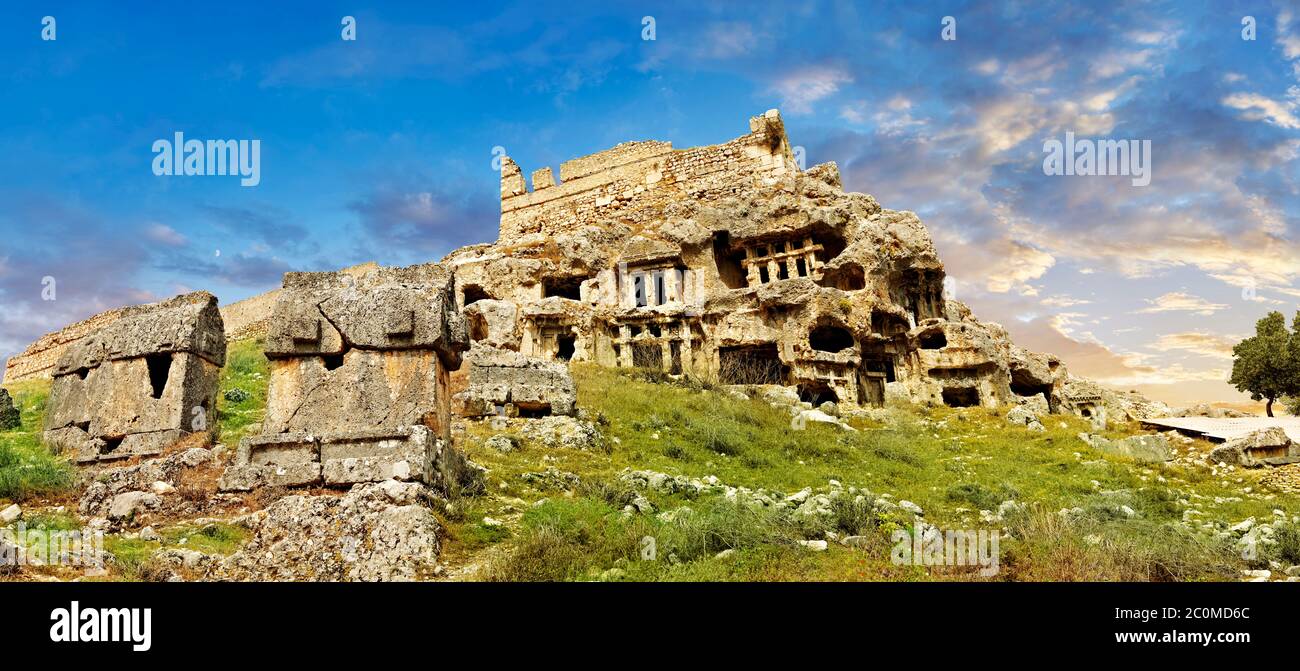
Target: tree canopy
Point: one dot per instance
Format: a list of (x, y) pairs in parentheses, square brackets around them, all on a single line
[(1267, 364)]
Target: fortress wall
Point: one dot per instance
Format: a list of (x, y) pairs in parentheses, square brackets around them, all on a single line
[(248, 318), (39, 359), (634, 180)]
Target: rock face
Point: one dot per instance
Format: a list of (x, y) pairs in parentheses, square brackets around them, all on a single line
[(732, 264), (10, 418), (140, 383), (374, 532), (1151, 449), (358, 388), (1256, 448)]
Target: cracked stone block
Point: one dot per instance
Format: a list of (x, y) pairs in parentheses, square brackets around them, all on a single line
[(140, 383), (367, 400)]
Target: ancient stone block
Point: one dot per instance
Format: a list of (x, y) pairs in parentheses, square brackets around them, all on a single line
[(514, 384), (139, 383), (358, 389)]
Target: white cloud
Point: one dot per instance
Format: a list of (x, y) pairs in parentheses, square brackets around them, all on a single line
[(1180, 301), (1256, 107), (799, 89), (164, 235), (1205, 344)]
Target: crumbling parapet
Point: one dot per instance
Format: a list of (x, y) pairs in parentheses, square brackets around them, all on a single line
[(359, 379), (140, 383)]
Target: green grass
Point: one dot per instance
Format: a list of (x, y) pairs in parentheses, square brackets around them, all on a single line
[(132, 557), (27, 468), (247, 370), (214, 538), (952, 462)]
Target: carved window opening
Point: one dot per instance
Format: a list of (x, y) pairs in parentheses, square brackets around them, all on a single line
[(563, 287), (817, 393), (961, 397), (473, 293), (783, 260), (883, 366), (564, 346), (648, 355), (730, 264), (828, 338), (933, 340), (160, 366), (638, 287), (333, 361), (751, 364)]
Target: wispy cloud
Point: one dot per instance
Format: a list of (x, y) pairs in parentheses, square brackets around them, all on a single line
[(1178, 301)]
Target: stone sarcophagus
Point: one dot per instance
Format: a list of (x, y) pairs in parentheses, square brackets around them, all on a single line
[(140, 383), (358, 388), (502, 382)]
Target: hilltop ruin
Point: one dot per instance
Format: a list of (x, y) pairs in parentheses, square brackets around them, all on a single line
[(728, 262)]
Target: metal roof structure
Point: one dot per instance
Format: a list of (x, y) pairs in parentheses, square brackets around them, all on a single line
[(1227, 428)]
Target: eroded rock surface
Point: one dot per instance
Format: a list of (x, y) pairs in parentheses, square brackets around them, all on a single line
[(358, 390), (375, 532), (140, 383)]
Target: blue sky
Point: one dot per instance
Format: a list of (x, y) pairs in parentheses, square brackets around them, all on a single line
[(381, 149)]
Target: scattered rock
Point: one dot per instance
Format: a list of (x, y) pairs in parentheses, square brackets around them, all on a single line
[(815, 546), (10, 514), (564, 432), (801, 418), (10, 418), (552, 479), (1250, 449), (503, 443), (375, 532), (1151, 448), (125, 507)]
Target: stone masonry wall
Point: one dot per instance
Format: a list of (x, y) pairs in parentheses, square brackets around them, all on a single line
[(632, 180)]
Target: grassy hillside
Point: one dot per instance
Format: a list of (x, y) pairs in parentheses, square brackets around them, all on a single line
[(952, 463), (27, 469), (241, 401), (557, 512)]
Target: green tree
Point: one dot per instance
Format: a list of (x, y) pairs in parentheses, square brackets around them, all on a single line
[(1267, 364)]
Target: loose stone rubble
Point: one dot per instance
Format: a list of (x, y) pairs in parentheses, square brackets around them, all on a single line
[(358, 390), (140, 383), (374, 532)]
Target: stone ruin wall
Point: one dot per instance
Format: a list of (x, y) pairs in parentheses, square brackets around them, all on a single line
[(39, 359), (638, 177), (707, 259), (244, 319)]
